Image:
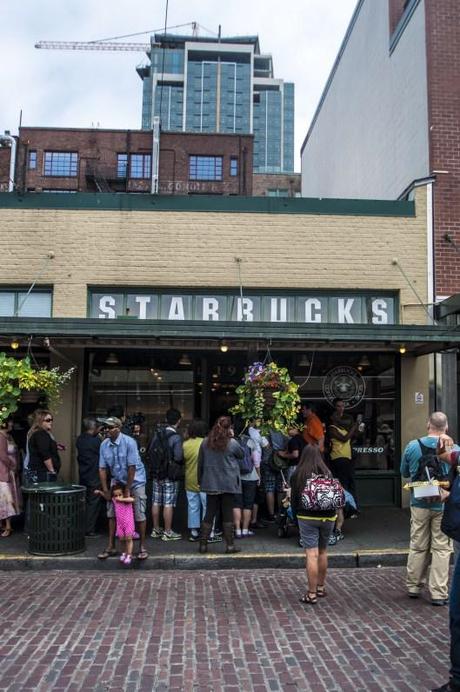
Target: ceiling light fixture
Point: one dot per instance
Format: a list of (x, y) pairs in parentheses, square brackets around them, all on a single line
[(112, 359), (402, 349), (223, 346), (364, 362), (14, 344), (304, 362)]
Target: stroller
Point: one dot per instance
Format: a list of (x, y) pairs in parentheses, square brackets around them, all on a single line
[(286, 517)]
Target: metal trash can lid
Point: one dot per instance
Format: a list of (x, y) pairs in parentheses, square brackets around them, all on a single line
[(52, 488)]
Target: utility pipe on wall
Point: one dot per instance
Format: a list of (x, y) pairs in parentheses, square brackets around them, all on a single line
[(12, 140)]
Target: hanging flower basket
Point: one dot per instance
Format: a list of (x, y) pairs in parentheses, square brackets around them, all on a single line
[(269, 396), (18, 376)]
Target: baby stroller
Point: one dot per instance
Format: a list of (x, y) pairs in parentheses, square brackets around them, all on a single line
[(286, 517)]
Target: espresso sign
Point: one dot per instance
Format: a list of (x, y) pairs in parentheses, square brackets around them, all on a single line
[(219, 307)]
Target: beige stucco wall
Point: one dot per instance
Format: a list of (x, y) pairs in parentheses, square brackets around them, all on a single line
[(134, 248)]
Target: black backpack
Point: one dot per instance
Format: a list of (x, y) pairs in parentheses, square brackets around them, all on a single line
[(450, 523), (159, 454), (430, 463)]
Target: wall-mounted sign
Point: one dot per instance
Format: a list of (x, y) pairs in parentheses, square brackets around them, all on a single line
[(344, 382), (177, 306), (419, 398)]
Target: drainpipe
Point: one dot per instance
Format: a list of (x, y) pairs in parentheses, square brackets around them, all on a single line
[(11, 139)]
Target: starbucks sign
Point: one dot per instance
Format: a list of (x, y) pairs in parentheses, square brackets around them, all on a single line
[(344, 382)]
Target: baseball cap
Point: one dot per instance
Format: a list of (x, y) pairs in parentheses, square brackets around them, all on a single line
[(113, 422)]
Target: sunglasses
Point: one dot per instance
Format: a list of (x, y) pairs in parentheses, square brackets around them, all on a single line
[(48, 420)]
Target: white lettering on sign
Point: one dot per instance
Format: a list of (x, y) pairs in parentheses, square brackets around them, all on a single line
[(143, 302), (278, 310), (210, 309), (344, 310), (313, 310), (106, 306), (244, 310), (176, 309), (379, 311), (369, 450)]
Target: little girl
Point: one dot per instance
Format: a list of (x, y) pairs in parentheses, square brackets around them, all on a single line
[(124, 518)]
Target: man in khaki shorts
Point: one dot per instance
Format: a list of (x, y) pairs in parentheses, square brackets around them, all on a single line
[(119, 456)]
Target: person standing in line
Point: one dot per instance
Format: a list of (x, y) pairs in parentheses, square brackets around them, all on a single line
[(119, 457), (315, 526), (426, 536), (245, 501), (341, 431), (313, 430), (10, 495), (44, 460), (88, 444), (166, 488), (219, 478), (196, 500)]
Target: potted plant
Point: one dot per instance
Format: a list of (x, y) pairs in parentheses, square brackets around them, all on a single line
[(18, 375), (268, 395)]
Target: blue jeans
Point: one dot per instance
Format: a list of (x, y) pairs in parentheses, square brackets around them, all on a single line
[(196, 508), (454, 616)]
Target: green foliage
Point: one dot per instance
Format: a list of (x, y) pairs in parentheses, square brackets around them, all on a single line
[(19, 375), (269, 396)]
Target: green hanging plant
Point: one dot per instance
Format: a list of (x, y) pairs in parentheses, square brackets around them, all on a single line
[(270, 396), (18, 375)]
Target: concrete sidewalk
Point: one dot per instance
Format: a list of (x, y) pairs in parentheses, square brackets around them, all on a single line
[(380, 536)]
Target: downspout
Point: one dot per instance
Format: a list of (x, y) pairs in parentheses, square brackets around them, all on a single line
[(12, 140)]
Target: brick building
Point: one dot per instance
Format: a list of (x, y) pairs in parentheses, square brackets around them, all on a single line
[(96, 160), (140, 292), (276, 185)]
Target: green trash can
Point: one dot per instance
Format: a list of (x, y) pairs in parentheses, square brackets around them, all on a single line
[(55, 518)]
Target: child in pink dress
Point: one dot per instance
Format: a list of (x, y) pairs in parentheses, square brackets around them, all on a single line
[(124, 518)]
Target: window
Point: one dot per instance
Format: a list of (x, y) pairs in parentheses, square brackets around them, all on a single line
[(140, 165), (205, 168), (61, 163), (17, 303), (233, 166), (32, 162), (277, 192), (56, 189), (122, 165)]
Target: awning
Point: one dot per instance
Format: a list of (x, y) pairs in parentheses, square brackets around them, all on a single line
[(416, 339)]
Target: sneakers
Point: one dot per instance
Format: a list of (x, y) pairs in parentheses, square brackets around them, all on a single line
[(157, 533), (439, 601), (122, 557), (127, 561), (194, 537), (171, 536), (215, 539), (248, 534), (335, 537)]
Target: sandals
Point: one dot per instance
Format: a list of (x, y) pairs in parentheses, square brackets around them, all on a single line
[(309, 599), (6, 533), (321, 592), (108, 552), (142, 555)]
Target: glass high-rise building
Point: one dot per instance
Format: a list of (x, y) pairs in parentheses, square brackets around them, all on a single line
[(200, 84)]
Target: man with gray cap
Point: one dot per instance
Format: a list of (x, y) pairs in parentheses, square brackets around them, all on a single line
[(119, 457)]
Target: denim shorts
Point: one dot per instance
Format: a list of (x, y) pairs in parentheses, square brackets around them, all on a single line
[(140, 504), (314, 533), (165, 493)]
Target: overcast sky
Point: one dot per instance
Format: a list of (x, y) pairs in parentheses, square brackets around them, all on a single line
[(82, 89)]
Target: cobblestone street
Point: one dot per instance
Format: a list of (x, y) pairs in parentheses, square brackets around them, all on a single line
[(222, 631)]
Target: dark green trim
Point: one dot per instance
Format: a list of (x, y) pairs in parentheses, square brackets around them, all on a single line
[(403, 22), (206, 203), (419, 339)]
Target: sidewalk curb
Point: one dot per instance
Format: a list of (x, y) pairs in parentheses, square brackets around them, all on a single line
[(211, 561)]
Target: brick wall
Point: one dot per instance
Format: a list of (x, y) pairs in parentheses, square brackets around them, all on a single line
[(263, 182), (98, 149), (443, 53), (4, 168), (190, 249), (396, 10)]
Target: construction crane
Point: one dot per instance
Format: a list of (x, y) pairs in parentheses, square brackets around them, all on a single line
[(112, 42)]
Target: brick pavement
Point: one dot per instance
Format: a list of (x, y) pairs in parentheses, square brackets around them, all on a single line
[(226, 631)]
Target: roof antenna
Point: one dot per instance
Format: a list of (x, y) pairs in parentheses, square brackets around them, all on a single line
[(194, 29), (219, 33)]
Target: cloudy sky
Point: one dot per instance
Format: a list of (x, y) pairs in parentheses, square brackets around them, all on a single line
[(82, 89)]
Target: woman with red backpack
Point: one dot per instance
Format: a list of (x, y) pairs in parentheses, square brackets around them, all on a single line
[(315, 497)]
